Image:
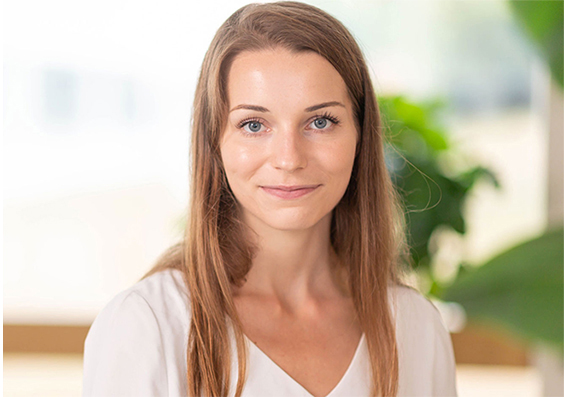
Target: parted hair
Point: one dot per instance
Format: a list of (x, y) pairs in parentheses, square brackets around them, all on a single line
[(367, 226)]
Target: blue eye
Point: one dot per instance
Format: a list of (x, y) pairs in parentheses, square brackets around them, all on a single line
[(250, 127), (321, 123), (254, 126)]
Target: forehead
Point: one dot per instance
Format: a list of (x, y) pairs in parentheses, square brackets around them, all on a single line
[(282, 78)]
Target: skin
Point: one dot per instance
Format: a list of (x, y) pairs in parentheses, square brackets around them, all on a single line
[(291, 305)]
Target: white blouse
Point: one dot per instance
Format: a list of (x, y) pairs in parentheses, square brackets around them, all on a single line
[(137, 347)]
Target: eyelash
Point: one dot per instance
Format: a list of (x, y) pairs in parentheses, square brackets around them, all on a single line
[(326, 115)]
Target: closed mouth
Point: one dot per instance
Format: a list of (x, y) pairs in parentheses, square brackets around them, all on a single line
[(291, 188)]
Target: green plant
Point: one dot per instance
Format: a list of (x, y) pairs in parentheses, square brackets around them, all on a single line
[(542, 21), (433, 192), (519, 290)]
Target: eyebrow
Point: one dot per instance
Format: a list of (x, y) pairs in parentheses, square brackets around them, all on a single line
[(308, 109)]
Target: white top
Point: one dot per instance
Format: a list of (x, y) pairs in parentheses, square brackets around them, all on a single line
[(137, 347)]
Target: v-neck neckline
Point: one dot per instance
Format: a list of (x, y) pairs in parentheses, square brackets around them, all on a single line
[(295, 382)]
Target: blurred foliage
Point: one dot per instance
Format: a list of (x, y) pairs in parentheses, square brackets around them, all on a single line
[(520, 289), (432, 191), (542, 21)]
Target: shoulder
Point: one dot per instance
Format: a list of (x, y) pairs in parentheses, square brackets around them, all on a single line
[(165, 293), (141, 335), (418, 321), (410, 306), (160, 297), (427, 362)]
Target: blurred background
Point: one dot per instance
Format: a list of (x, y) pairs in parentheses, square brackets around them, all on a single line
[(96, 130)]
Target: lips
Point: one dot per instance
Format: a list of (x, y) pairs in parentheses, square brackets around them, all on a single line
[(289, 192), (289, 188)]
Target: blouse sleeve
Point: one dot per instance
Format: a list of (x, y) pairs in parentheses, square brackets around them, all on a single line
[(444, 364), (123, 351)]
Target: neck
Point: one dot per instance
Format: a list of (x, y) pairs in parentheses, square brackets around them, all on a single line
[(292, 266)]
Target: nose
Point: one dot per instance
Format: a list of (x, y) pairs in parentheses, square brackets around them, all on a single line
[(288, 151)]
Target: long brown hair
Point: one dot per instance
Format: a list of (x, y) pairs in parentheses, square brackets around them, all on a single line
[(366, 227)]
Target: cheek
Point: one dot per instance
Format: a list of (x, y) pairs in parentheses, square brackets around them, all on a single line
[(338, 159), (240, 162)]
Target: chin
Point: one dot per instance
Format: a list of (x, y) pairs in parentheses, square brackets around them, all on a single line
[(290, 226), (293, 221)]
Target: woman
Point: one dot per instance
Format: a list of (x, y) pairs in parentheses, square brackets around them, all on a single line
[(288, 282)]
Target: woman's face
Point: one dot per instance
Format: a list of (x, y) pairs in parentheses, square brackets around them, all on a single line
[(289, 143)]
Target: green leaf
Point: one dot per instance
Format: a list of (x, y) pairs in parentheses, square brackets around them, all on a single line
[(520, 289), (416, 153), (543, 22), (420, 118)]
